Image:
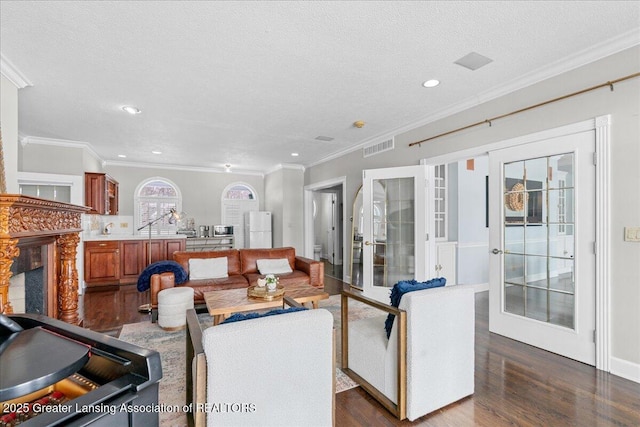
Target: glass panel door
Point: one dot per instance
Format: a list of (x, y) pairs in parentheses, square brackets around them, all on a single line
[(539, 260), (542, 233), (392, 203)]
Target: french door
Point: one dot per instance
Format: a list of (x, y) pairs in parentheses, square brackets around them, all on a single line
[(542, 237), (395, 246)]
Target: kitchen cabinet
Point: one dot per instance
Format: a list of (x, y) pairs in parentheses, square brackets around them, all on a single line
[(131, 259), (446, 261), (157, 252), (101, 262), (101, 193), (122, 261), (173, 245), (161, 249)]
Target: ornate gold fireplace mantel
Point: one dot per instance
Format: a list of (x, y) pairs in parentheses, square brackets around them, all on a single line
[(23, 217)]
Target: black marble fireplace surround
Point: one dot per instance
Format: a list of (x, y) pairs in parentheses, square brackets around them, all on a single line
[(32, 262)]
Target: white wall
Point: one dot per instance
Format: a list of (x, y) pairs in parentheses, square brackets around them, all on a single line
[(284, 189), (323, 222), (201, 191), (623, 104), (293, 220), (9, 126), (53, 159), (473, 235), (273, 185)]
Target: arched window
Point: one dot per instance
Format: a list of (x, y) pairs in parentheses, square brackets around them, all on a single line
[(239, 192), (154, 198), (238, 199)]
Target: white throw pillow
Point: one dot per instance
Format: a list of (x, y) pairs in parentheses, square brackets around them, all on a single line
[(274, 266), (208, 268)]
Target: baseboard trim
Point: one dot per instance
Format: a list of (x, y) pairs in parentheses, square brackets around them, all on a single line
[(625, 369)]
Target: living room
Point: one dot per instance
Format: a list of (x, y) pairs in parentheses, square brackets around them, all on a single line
[(286, 187)]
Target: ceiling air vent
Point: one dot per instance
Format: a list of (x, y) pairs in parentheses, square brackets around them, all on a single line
[(377, 148)]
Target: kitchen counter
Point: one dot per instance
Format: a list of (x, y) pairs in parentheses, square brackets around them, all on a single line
[(110, 237)]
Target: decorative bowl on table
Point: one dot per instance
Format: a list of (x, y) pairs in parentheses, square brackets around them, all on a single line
[(262, 292)]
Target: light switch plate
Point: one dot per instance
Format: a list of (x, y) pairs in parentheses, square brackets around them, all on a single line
[(632, 234)]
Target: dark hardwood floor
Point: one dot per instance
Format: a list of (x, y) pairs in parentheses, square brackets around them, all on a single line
[(515, 384), (106, 308)]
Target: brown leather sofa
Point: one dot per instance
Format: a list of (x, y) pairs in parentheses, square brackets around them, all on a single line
[(242, 270)]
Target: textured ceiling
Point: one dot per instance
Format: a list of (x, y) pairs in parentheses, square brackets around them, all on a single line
[(248, 83)]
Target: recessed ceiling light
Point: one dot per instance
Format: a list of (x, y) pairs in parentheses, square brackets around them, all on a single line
[(295, 154), (156, 152), (131, 110), (431, 83), (122, 155)]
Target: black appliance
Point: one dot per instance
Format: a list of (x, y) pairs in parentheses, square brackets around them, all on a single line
[(222, 230), (57, 374)]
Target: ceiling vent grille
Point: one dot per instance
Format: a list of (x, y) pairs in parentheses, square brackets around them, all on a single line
[(377, 148)]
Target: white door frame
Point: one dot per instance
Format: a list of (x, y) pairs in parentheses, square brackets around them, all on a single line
[(308, 215), (601, 125)]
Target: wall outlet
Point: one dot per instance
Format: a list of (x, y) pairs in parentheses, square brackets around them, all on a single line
[(124, 225), (632, 234)]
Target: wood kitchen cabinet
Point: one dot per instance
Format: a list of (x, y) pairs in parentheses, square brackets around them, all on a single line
[(122, 261), (162, 249), (101, 193), (173, 245), (132, 260), (101, 262), (157, 251)]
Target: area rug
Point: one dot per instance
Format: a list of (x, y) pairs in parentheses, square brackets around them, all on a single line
[(171, 346)]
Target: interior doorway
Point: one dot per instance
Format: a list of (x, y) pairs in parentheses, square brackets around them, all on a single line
[(325, 225)]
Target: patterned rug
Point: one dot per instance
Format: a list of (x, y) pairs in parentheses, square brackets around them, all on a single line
[(171, 346)]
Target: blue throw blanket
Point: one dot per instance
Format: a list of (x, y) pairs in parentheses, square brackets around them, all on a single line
[(144, 280)]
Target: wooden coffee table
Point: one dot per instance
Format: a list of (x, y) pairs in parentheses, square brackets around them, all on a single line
[(222, 304)]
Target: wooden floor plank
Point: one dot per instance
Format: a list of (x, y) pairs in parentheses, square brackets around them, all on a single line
[(515, 384)]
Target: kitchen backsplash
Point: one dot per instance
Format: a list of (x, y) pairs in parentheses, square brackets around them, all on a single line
[(94, 225)]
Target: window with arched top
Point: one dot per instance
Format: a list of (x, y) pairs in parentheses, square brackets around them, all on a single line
[(154, 198), (237, 199), (239, 192)]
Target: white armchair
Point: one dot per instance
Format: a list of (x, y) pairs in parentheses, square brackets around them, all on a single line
[(277, 371), (428, 360)]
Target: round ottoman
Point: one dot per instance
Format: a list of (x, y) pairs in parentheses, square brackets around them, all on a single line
[(173, 304)]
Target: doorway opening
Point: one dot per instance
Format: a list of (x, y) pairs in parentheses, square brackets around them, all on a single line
[(325, 225)]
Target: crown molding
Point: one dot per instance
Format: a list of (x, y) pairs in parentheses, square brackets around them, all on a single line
[(12, 73), (579, 59), (26, 140), (292, 166), (182, 168)]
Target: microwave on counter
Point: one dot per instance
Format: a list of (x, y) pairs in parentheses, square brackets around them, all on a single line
[(222, 230)]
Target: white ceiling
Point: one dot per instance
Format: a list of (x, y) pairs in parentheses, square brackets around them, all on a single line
[(248, 83)]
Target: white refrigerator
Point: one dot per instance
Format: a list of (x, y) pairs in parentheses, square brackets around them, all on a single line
[(258, 230)]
